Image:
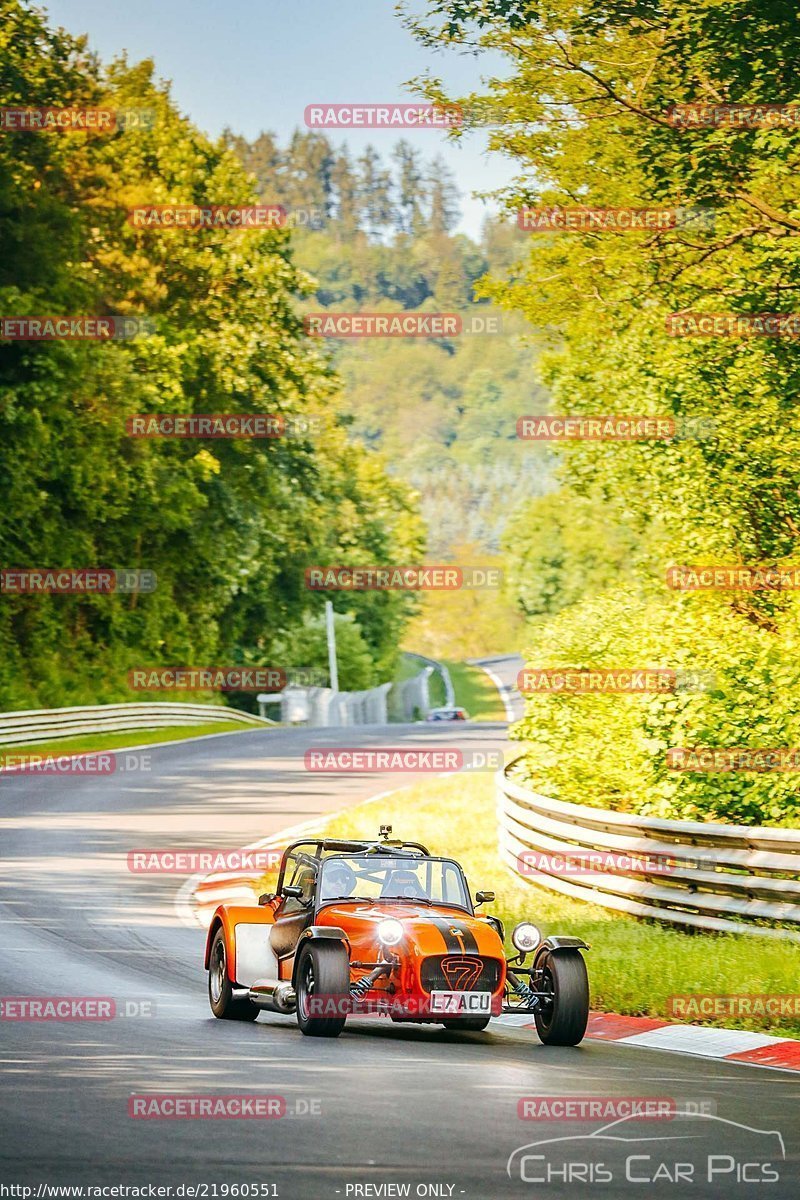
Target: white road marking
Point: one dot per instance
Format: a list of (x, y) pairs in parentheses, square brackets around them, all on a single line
[(700, 1040), (505, 692)]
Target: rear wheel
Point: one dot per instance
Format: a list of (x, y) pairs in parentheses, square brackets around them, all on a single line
[(323, 989), (220, 989), (563, 1013), (466, 1024)]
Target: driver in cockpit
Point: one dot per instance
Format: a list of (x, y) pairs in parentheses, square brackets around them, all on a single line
[(338, 881)]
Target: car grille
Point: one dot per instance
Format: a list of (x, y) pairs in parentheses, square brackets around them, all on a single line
[(468, 973)]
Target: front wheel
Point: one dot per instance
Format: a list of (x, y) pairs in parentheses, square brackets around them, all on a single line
[(563, 1012), (323, 989), (220, 989)]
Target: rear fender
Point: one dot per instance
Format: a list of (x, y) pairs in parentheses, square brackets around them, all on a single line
[(246, 930)]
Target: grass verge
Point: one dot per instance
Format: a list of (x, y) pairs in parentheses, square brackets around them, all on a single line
[(89, 743), (476, 693), (634, 966)]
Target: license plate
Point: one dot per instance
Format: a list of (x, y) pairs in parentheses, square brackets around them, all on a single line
[(461, 1004)]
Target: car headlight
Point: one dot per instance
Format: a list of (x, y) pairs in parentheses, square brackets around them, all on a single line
[(526, 937), (390, 931)]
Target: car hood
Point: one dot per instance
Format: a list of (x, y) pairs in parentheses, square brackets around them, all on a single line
[(439, 930)]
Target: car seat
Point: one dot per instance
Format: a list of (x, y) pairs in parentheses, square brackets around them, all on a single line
[(403, 884)]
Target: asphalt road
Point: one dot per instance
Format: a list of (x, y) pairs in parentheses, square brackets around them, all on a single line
[(504, 669), (380, 1109)]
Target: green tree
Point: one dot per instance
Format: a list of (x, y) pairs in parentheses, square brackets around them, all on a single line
[(584, 108), (228, 527), (345, 188), (308, 647), (561, 547), (411, 191), (264, 159), (443, 198), (308, 172), (374, 193)]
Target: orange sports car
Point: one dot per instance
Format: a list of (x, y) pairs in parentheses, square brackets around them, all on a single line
[(386, 927)]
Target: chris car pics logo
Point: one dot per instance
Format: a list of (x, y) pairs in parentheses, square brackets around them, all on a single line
[(694, 1149)]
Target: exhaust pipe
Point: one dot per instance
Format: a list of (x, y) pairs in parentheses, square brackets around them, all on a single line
[(274, 995)]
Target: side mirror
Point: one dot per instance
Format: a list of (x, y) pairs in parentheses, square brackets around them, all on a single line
[(484, 897), (265, 897), (293, 890)]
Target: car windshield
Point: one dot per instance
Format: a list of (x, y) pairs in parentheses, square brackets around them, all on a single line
[(394, 879)]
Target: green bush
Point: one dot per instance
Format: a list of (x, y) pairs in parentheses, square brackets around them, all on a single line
[(610, 750)]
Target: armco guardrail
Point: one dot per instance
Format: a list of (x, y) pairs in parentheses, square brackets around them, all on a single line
[(44, 724), (721, 878), (434, 664), (410, 700)]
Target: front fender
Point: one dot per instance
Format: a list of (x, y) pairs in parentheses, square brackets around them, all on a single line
[(554, 945), (329, 932), (319, 933)]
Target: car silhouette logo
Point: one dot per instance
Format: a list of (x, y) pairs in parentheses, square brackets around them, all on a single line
[(461, 972), (697, 1143)]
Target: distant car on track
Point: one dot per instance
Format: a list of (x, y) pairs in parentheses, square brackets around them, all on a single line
[(360, 927), (447, 714)]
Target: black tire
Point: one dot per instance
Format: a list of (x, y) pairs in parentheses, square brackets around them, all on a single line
[(323, 969), (466, 1024), (562, 1019), (220, 989)]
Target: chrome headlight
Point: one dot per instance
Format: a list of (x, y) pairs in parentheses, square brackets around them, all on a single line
[(390, 931), (526, 937)]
